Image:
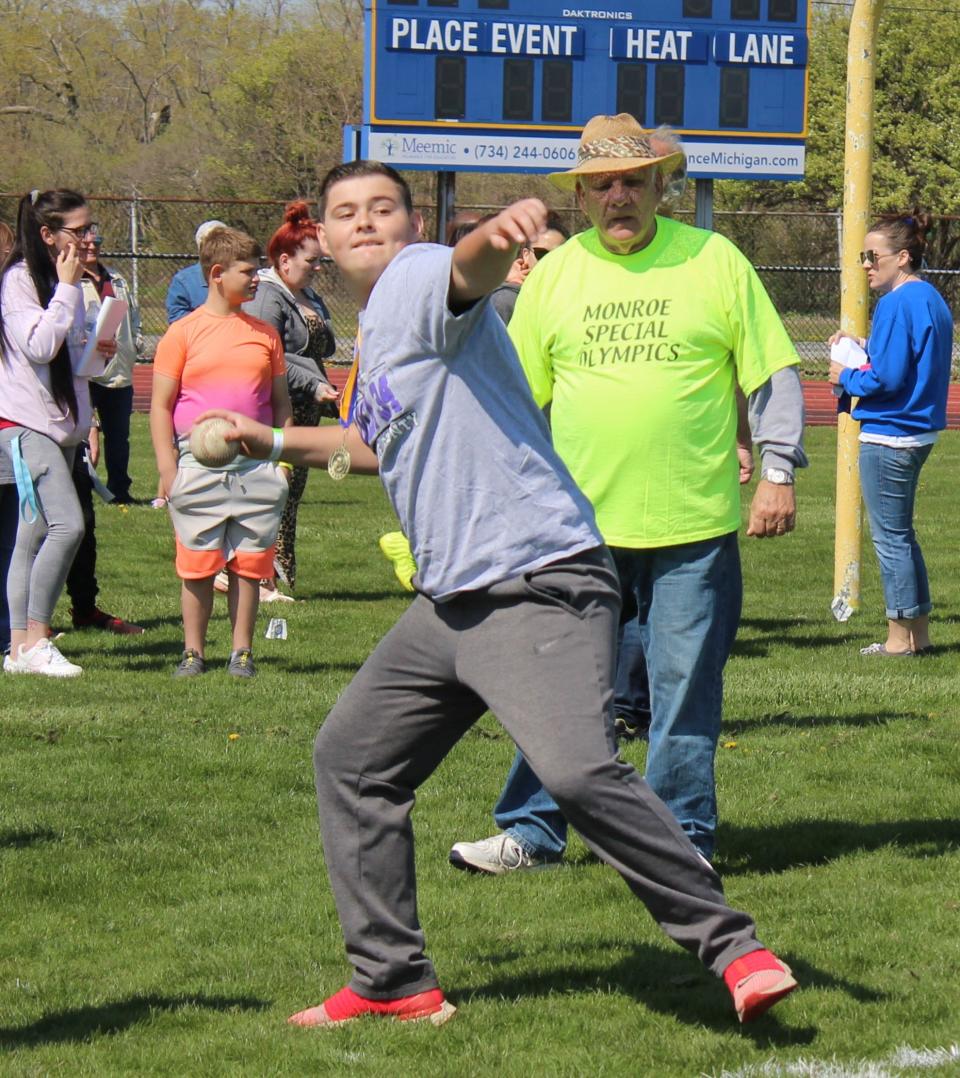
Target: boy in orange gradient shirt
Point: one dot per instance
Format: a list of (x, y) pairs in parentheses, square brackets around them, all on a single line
[(219, 356)]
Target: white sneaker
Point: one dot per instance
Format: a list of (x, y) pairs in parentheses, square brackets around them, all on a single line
[(45, 658), (496, 855), (10, 664)]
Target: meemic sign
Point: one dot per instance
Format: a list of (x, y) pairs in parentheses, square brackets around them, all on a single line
[(509, 152)]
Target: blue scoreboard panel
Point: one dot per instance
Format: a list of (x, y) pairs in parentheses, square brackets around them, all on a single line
[(718, 69)]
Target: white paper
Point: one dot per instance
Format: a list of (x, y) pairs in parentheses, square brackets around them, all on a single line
[(848, 353), (109, 319)]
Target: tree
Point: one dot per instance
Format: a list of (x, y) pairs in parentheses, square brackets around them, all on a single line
[(282, 113), (917, 125), (177, 96)]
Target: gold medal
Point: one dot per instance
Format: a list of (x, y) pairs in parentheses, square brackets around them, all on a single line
[(338, 466)]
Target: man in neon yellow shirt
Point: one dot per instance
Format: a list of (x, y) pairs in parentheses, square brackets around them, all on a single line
[(637, 333)]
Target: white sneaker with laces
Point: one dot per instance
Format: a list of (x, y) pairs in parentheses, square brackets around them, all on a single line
[(496, 855), (10, 664), (45, 658)]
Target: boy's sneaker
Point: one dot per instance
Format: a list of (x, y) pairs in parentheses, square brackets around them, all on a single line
[(496, 855), (396, 548), (44, 658), (757, 981), (100, 619), (221, 582), (346, 1005), (241, 663), (191, 665)]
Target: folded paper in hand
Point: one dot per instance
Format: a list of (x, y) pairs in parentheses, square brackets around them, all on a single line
[(847, 352), (109, 320)]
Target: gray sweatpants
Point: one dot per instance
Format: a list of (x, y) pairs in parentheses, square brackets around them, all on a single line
[(45, 548), (537, 650)]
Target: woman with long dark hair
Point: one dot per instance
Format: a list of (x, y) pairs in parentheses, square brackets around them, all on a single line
[(44, 413), (902, 392)]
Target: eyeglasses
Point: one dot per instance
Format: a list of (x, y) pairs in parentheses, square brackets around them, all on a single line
[(872, 258), (83, 232)]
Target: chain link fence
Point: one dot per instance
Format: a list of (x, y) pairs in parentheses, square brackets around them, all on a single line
[(148, 239)]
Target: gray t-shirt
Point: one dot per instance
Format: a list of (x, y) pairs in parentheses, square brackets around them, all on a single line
[(503, 300), (465, 454)]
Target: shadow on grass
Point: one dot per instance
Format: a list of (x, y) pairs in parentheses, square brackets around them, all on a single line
[(81, 1023), (151, 624), (667, 982), (21, 840), (733, 727), (817, 842), (780, 626), (758, 635), (311, 668), (95, 637), (765, 850), (354, 596), (940, 649), (162, 656)]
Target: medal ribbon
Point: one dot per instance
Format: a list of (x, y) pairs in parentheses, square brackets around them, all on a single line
[(348, 398)]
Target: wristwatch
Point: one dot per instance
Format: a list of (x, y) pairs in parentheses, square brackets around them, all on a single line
[(777, 475)]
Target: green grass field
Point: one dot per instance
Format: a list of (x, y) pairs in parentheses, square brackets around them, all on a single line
[(163, 902)]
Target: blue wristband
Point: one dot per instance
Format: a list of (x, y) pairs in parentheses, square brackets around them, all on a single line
[(277, 452)]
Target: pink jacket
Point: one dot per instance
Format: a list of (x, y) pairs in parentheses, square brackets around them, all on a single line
[(34, 335)]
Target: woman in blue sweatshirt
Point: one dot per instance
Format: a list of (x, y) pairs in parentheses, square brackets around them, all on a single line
[(903, 404)]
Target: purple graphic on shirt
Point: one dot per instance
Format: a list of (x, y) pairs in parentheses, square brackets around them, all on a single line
[(375, 408)]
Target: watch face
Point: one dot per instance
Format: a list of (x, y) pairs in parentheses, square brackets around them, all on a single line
[(776, 475)]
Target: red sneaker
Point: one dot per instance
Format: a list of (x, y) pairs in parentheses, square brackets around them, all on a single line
[(100, 619), (757, 981), (346, 1005)]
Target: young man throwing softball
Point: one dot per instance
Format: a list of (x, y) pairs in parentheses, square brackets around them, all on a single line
[(517, 609)]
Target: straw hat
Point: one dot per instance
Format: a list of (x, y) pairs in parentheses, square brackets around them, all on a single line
[(615, 144)]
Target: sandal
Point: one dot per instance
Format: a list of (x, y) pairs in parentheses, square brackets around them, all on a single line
[(880, 650)]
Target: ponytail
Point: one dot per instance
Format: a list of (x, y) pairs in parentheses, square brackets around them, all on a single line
[(36, 209), (907, 233)]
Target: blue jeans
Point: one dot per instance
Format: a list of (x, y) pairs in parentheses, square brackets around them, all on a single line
[(686, 600), (9, 519), (631, 691), (114, 407), (889, 479)]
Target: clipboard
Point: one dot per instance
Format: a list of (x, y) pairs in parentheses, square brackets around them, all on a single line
[(109, 320)]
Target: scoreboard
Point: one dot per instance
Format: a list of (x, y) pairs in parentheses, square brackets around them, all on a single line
[(530, 73)]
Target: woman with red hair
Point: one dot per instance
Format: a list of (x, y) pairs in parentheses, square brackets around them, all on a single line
[(286, 300)]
